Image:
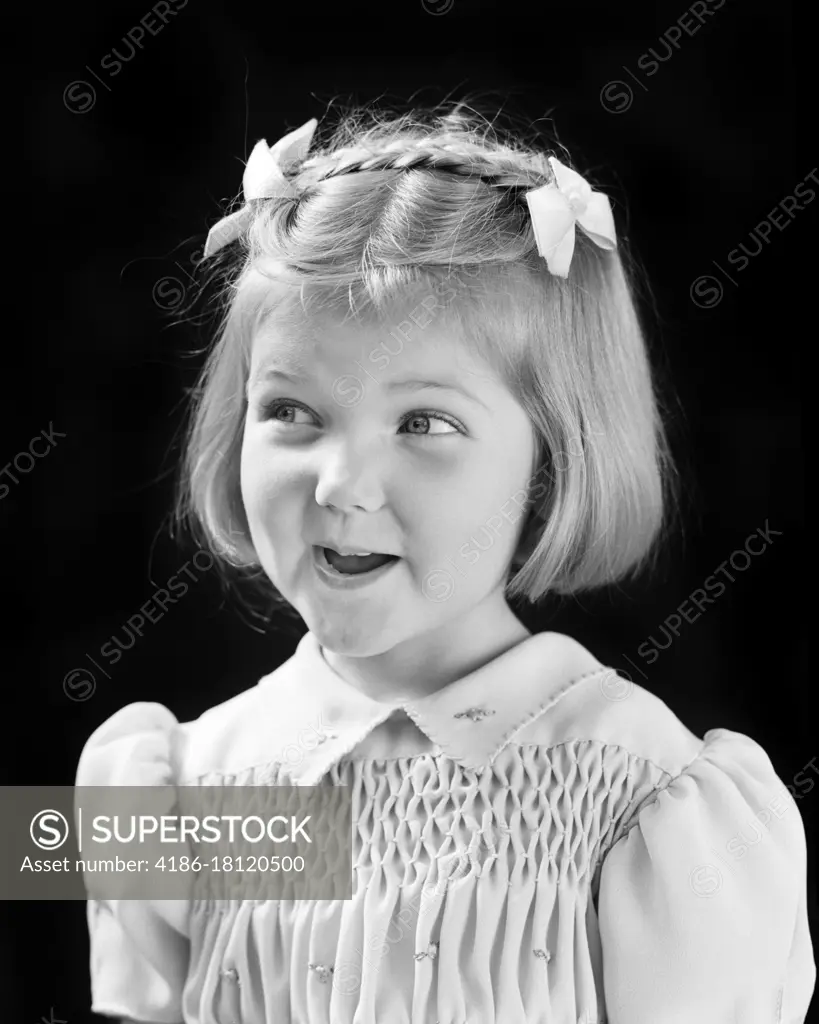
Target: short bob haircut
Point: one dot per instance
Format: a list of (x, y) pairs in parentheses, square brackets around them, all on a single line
[(396, 208)]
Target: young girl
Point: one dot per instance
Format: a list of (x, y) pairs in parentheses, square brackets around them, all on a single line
[(431, 394)]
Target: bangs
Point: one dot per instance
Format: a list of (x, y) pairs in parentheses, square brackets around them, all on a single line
[(485, 308)]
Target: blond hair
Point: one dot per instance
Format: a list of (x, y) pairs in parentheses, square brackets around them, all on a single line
[(390, 208)]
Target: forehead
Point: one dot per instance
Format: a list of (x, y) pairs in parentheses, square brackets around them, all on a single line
[(410, 337)]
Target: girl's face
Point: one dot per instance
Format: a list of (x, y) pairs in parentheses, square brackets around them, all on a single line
[(423, 454)]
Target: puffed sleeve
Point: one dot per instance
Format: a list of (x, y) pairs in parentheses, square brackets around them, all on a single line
[(139, 947), (702, 902)]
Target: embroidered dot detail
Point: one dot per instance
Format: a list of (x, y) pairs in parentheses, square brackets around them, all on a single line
[(543, 954), (323, 971), (475, 714)]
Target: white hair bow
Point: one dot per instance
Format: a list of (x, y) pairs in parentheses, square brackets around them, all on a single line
[(263, 179), (556, 207)]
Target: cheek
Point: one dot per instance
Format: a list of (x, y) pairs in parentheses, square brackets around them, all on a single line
[(490, 512), (444, 521), (265, 481), (251, 474)]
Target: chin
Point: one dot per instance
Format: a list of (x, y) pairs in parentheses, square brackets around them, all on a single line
[(350, 636)]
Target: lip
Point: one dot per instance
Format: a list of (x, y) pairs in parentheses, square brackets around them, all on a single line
[(351, 549), (348, 582)]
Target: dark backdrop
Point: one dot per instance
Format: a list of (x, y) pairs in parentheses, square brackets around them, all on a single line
[(129, 163)]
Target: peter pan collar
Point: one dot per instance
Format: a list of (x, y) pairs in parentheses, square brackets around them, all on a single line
[(470, 720)]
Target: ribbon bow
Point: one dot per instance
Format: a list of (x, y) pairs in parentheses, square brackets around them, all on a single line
[(555, 208), (263, 179)]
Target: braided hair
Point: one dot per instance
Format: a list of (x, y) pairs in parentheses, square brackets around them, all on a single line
[(498, 167), (405, 193)]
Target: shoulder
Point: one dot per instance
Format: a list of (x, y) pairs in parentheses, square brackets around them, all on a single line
[(608, 733), (145, 744), (624, 735), (597, 705), (137, 745)]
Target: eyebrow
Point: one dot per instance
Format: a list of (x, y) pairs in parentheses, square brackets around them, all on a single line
[(410, 384)]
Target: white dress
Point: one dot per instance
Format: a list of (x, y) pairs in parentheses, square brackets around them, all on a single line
[(603, 863)]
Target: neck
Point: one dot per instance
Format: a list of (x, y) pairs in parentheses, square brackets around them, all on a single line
[(429, 661)]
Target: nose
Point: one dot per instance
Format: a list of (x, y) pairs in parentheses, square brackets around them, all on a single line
[(348, 477)]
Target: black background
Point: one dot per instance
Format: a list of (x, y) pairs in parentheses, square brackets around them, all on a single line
[(118, 198)]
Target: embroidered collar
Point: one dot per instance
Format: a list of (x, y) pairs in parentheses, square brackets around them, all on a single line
[(469, 720)]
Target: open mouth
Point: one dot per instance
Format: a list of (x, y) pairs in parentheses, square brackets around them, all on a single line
[(351, 565)]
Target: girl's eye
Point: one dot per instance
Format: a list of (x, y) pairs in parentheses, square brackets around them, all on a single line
[(412, 420), (426, 416), (271, 412)]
